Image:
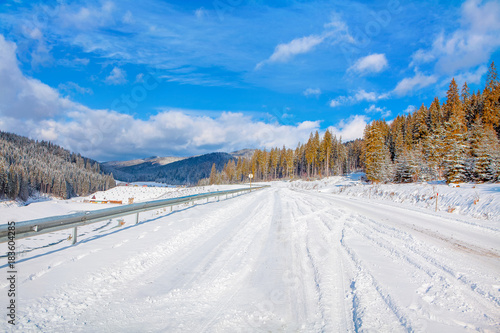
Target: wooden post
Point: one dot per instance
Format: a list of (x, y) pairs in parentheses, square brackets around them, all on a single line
[(137, 218), (437, 195), (75, 233)]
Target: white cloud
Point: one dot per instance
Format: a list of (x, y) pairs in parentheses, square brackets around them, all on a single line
[(341, 100), (128, 17), (23, 97), (285, 51), (470, 45), (166, 133), (201, 13), (410, 84), (409, 109), (72, 86), (350, 129), (334, 31), (312, 92), (382, 110), (117, 76), (469, 77), (360, 96), (86, 18), (36, 43), (373, 63), (139, 78)]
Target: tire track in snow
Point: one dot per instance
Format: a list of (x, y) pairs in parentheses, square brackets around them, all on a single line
[(437, 274), (447, 268), (322, 238), (365, 291), (464, 293)]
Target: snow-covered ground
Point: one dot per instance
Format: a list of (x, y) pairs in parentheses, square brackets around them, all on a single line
[(299, 256)]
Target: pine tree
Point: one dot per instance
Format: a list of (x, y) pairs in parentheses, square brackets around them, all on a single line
[(404, 168), (436, 113), (456, 149), (326, 151), (378, 166), (485, 150), (453, 106), (290, 163), (420, 124), (274, 159), (3, 176), (213, 175), (310, 154), (467, 105), (264, 164), (316, 152), (491, 96)]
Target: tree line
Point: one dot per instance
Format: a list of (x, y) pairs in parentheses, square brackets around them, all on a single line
[(28, 166), (319, 156), (456, 141)]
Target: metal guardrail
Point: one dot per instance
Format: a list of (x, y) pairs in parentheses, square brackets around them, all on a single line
[(55, 223)]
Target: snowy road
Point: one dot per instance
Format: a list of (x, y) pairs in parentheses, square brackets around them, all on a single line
[(274, 260)]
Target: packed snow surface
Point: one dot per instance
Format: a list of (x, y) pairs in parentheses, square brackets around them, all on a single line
[(325, 256)]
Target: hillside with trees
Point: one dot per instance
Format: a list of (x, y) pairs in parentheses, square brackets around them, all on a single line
[(456, 141), (28, 166)]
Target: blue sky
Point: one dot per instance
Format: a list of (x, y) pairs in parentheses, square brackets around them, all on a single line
[(117, 80)]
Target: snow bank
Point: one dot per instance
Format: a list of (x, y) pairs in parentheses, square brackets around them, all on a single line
[(481, 201)]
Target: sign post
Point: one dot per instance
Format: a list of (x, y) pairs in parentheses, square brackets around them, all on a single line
[(250, 176)]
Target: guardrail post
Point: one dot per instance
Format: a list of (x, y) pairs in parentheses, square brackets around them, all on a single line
[(137, 218), (75, 233)]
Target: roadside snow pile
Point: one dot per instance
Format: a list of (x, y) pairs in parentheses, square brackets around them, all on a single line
[(140, 192), (334, 181), (135, 192), (481, 201)]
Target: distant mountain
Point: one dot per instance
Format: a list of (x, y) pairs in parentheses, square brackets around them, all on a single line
[(152, 159), (244, 153), (183, 171)]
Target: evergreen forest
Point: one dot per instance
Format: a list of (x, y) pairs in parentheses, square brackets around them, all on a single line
[(28, 166)]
